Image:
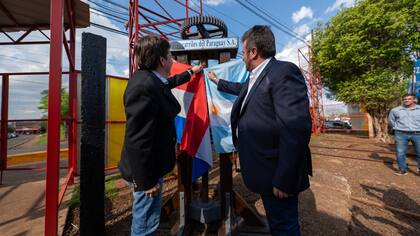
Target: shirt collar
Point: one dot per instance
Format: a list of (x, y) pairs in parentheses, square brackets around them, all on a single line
[(414, 108), (257, 70), (163, 79)]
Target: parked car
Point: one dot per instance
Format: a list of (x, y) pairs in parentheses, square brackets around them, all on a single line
[(337, 125), (11, 135)]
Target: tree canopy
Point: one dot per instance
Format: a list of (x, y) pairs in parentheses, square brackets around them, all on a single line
[(43, 106), (43, 103), (365, 53)]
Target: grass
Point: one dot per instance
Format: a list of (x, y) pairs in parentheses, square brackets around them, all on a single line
[(43, 137), (75, 198), (42, 141), (110, 190)]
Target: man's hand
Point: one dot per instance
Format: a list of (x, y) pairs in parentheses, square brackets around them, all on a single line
[(279, 194), (196, 69), (213, 77), (153, 191)]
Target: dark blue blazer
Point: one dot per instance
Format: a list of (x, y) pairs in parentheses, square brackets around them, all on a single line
[(274, 129), (148, 152)]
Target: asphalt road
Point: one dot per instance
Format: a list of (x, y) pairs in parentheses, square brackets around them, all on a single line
[(14, 143), (18, 145)]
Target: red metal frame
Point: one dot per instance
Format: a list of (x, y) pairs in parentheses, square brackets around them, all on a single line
[(72, 139), (35, 168), (4, 123), (315, 89), (152, 27), (57, 41), (54, 101), (31, 29), (29, 73)]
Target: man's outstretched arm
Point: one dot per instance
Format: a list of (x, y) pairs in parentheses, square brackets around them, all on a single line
[(224, 85)]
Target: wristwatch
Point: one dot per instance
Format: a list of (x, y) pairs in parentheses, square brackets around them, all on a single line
[(190, 71)]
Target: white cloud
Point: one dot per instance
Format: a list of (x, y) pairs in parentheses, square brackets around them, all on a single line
[(340, 3), (290, 51), (117, 45), (302, 30), (302, 13), (215, 2), (126, 71), (25, 91)]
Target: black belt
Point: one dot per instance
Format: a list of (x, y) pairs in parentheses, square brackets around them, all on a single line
[(408, 132)]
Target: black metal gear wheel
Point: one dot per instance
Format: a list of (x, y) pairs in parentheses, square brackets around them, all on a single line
[(199, 27)]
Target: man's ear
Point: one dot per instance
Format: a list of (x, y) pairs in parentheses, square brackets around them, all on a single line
[(253, 53), (161, 59)]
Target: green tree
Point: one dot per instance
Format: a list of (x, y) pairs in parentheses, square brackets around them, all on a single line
[(43, 106), (365, 55)]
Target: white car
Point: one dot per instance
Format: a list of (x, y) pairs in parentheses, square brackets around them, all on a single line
[(11, 135)]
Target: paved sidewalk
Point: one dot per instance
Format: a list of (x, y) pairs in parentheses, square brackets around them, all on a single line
[(22, 198)]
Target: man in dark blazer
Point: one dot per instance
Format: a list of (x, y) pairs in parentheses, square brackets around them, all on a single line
[(271, 128), (149, 145)]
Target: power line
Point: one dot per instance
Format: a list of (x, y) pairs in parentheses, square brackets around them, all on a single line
[(112, 30), (116, 4), (271, 17), (152, 18), (107, 8), (96, 13), (121, 19), (119, 31), (109, 29), (269, 21), (21, 59), (237, 21), (106, 14), (118, 18), (229, 29), (31, 82)]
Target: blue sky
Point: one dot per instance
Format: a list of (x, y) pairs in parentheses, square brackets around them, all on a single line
[(300, 16)]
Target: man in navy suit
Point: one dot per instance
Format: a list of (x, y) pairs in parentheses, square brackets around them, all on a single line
[(271, 128)]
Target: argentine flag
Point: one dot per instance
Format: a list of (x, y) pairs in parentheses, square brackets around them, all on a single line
[(220, 103)]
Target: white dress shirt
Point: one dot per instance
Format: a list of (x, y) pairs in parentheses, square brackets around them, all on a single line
[(253, 77), (163, 79)]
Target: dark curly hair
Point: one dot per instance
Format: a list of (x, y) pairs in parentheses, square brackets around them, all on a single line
[(149, 50), (262, 38)]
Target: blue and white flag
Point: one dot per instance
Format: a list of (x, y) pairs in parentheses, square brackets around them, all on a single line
[(220, 103)]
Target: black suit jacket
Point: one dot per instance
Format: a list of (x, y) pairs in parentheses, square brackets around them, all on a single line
[(274, 129), (149, 146)]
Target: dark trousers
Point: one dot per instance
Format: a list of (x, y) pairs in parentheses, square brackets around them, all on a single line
[(282, 215)]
